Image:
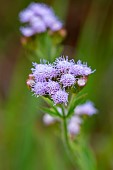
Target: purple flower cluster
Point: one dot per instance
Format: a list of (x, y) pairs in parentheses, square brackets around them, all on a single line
[(75, 122), (74, 125), (55, 79), (85, 109), (38, 17)]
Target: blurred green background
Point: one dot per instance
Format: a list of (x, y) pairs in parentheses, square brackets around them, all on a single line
[(25, 143)]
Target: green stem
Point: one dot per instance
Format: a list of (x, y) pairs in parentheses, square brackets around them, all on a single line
[(65, 131), (66, 139)]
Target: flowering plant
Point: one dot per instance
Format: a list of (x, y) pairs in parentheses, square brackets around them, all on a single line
[(59, 83)]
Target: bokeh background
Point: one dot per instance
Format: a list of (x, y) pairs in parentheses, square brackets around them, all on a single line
[(25, 143)]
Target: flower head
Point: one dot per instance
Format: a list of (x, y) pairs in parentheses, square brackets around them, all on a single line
[(86, 108), (63, 65), (26, 15), (52, 87), (60, 97), (67, 80), (41, 72), (40, 9), (80, 69), (52, 80), (37, 24), (27, 31), (74, 125), (55, 26), (39, 89), (48, 119), (38, 17)]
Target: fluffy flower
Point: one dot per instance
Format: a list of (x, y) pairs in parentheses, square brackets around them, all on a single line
[(27, 31), (52, 87), (80, 69), (40, 9), (86, 108), (39, 89), (67, 80), (74, 125), (60, 97), (37, 24), (48, 119), (52, 80), (63, 65), (41, 72), (26, 15), (38, 18), (55, 26)]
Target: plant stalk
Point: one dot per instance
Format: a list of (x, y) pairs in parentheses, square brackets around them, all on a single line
[(69, 150)]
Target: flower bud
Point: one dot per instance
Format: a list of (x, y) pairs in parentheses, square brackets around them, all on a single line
[(48, 119), (82, 81), (30, 83)]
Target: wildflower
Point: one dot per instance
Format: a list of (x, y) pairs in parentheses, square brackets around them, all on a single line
[(27, 31), (67, 80), (53, 80), (39, 89), (52, 87), (38, 18), (86, 108), (41, 72), (48, 119), (57, 25), (60, 97), (37, 24), (26, 15), (74, 125), (80, 69), (63, 65), (40, 9)]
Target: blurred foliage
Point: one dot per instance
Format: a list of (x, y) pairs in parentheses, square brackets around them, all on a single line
[(25, 143)]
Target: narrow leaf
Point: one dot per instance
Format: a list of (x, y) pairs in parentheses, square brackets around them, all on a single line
[(74, 103)]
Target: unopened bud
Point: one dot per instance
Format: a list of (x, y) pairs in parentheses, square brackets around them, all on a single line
[(82, 81), (62, 32), (48, 119), (30, 83), (31, 76), (24, 40)]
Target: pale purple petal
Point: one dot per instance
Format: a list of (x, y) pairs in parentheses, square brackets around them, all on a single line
[(26, 15), (39, 89), (67, 80), (86, 108), (27, 31), (63, 65), (80, 69), (52, 87), (60, 97), (57, 25), (39, 17), (48, 119), (74, 125)]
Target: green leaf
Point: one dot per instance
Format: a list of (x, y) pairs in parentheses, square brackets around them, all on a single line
[(74, 102), (50, 103), (85, 158), (50, 111)]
